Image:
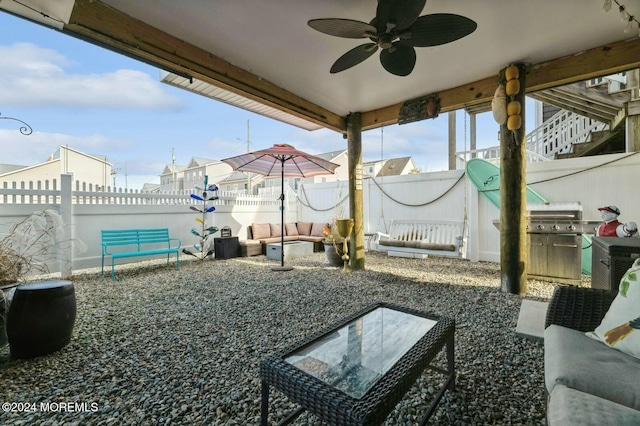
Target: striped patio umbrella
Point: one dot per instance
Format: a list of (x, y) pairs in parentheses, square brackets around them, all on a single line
[(287, 161)]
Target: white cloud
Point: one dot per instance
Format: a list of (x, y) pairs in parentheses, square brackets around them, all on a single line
[(37, 147), (33, 76)]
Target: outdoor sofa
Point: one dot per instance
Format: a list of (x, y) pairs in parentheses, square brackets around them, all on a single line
[(261, 234), (587, 381)]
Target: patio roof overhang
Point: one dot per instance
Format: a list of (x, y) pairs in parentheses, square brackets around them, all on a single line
[(266, 54)]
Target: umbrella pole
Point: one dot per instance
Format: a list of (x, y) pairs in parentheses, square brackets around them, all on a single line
[(282, 267)]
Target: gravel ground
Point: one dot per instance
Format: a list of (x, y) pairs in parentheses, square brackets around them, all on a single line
[(160, 346)]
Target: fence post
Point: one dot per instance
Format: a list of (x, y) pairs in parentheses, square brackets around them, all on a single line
[(66, 212)]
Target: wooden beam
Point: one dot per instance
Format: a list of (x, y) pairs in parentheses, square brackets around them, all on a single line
[(110, 28), (596, 62), (450, 100)]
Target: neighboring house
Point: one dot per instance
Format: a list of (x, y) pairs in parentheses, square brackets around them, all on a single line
[(272, 183), (391, 167), (151, 187), (200, 167), (238, 181), (172, 178), (85, 168), (372, 168), (397, 166)]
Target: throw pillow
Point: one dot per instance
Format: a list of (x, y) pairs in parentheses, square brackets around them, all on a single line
[(290, 229), (304, 228), (316, 229), (276, 230), (260, 231), (620, 327)]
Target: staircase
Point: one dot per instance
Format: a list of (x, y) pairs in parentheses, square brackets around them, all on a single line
[(589, 121)]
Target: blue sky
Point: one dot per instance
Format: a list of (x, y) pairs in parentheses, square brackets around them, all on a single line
[(99, 102)]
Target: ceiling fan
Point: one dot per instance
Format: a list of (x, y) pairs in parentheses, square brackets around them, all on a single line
[(396, 29)]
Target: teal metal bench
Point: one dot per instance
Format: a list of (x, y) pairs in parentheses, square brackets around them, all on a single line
[(134, 240)]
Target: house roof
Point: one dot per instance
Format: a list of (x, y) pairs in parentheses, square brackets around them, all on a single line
[(150, 187), (200, 161), (394, 166), (10, 168), (235, 176), (172, 168), (331, 155)]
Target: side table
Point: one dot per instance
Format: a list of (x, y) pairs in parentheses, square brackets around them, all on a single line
[(226, 247), (41, 318)]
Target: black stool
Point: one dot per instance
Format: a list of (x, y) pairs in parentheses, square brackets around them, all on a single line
[(41, 318)]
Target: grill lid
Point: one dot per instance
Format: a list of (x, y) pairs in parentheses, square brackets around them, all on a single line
[(566, 212)]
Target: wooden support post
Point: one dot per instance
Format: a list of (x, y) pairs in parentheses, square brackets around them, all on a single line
[(513, 201), (356, 197), (632, 130)]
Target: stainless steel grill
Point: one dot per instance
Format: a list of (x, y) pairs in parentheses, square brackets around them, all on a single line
[(555, 241), (558, 218), (555, 236)]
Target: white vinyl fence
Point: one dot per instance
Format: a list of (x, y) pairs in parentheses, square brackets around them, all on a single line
[(593, 181), (86, 211)]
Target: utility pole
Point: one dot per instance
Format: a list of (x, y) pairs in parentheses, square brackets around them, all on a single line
[(173, 169), (114, 172), (248, 150)]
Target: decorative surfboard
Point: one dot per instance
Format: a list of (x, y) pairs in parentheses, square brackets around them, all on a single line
[(485, 176)]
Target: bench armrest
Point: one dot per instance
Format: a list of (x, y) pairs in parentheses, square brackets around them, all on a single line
[(175, 239), (380, 236), (579, 308)]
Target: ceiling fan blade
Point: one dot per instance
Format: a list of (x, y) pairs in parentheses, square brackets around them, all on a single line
[(401, 13), (398, 59), (347, 28), (354, 57), (437, 29)]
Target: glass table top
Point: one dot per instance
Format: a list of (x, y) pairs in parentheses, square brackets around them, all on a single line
[(354, 357)]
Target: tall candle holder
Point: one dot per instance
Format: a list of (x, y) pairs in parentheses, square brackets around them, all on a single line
[(345, 226)]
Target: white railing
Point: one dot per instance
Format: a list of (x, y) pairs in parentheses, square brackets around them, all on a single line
[(558, 134), (491, 154), (615, 83), (48, 192)]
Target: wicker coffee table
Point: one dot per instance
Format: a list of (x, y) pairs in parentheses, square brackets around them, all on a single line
[(356, 371)]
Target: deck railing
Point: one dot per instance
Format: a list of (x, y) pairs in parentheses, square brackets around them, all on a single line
[(558, 134)]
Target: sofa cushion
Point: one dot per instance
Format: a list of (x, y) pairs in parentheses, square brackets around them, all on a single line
[(304, 228), (260, 230), (588, 365), (291, 229), (309, 238), (271, 240), (276, 229), (316, 229), (620, 327), (570, 407)]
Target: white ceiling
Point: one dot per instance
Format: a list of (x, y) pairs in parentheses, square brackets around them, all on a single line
[(272, 40)]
